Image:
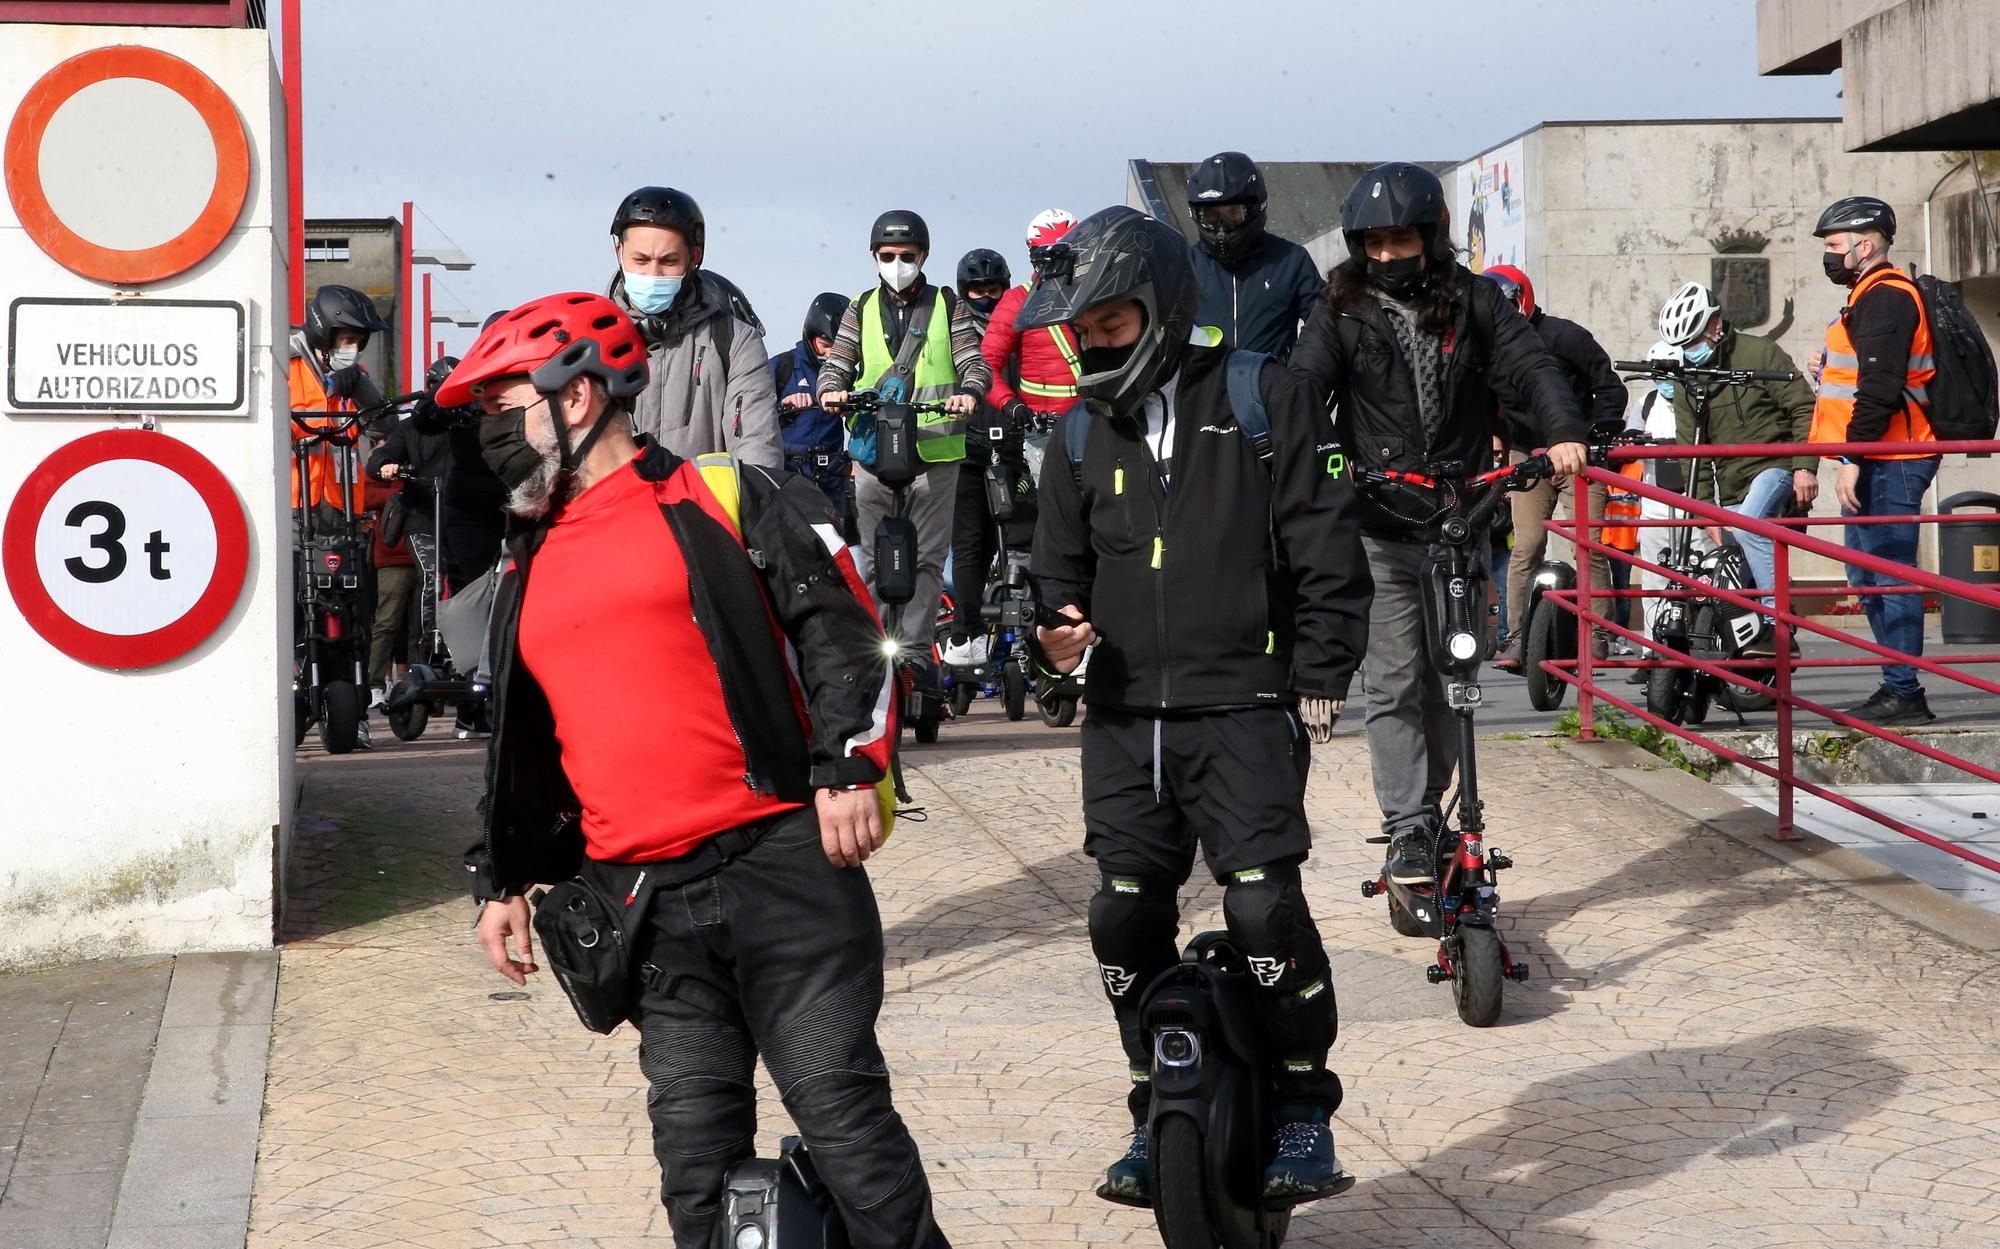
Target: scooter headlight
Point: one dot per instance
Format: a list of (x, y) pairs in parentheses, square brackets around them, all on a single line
[(891, 648), (749, 1237), (1462, 645), (1176, 1047)]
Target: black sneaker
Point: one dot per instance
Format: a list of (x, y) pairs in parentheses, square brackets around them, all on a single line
[(1129, 1181), (1869, 709), (1306, 1168), (1410, 860), (1895, 711)]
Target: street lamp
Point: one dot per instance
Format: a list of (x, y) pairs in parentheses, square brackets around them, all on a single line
[(448, 258)]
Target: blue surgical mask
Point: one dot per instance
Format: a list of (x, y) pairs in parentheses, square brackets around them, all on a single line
[(1699, 354), (1666, 390), (650, 293)]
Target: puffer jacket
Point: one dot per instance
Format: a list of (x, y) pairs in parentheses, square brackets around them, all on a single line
[(696, 402), (1034, 356)]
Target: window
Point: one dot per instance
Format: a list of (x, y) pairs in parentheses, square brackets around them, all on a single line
[(326, 249)]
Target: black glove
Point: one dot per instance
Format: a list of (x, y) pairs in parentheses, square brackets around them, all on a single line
[(342, 383), (1020, 417)]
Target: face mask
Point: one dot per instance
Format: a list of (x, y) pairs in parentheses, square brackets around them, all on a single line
[(343, 358), (505, 446), (984, 307), (1095, 360), (1837, 271), (1698, 354), (1398, 279), (1666, 390), (897, 273), (650, 293)]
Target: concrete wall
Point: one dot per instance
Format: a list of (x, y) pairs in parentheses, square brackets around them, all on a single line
[(145, 811), (1803, 36), (1923, 74)]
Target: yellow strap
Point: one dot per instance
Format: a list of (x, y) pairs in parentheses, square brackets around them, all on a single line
[(1068, 354)]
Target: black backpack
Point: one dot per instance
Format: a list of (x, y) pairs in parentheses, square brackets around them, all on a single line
[(1965, 395)]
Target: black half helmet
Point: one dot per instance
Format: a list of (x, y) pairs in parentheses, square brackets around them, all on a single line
[(664, 207), (440, 369), (899, 227), (1392, 195), (340, 308), (1857, 212), (1120, 253), (982, 266), (823, 317), (1224, 179)]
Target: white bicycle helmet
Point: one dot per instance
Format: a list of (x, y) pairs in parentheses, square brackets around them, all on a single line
[(1665, 351), (1687, 314), (1049, 225)]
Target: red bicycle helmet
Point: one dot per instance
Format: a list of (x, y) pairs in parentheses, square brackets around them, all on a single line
[(1515, 285), (552, 340)]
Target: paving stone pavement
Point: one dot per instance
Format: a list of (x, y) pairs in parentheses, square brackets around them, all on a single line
[(1714, 1049)]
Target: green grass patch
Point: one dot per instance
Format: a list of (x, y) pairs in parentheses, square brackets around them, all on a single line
[(1655, 741)]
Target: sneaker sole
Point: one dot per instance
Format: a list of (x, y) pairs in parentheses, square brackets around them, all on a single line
[(1340, 1186), (1120, 1199)]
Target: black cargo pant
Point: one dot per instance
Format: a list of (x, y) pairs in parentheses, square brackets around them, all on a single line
[(785, 954), (1232, 781)]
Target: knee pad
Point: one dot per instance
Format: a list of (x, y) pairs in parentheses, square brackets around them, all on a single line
[(1267, 915), (1133, 923)]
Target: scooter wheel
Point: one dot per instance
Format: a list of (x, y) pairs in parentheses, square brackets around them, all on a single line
[(1545, 692), (1180, 1186), (926, 731), (1665, 690), (1014, 691), (302, 718), (1479, 972), (1405, 924), (409, 722), (961, 696), (1058, 712), (340, 730)]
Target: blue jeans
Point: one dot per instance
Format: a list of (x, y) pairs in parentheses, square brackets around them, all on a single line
[(1892, 488), (1769, 491)]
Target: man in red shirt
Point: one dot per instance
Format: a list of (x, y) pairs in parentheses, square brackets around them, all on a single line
[(651, 737)]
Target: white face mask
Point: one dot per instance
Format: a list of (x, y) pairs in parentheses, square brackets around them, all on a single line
[(897, 273), (343, 358)]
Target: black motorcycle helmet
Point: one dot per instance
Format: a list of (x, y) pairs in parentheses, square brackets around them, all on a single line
[(440, 369), (665, 207), (1119, 253), (1857, 212), (1391, 195), (340, 308), (1227, 178), (899, 227), (823, 317), (982, 266)]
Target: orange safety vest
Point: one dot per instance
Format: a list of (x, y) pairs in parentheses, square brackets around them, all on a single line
[(322, 477), (1841, 374), (1623, 505)]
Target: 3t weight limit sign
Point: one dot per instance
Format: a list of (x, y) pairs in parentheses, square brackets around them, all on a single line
[(125, 549)]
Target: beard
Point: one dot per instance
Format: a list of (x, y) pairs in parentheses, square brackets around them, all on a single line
[(532, 499)]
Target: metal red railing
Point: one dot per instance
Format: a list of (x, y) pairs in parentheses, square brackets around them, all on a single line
[(1786, 536)]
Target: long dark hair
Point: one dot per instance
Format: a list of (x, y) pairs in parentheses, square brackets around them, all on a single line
[(1436, 305)]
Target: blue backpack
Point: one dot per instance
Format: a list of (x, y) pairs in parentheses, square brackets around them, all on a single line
[(1242, 371)]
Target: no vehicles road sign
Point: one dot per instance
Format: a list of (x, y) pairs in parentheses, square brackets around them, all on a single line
[(125, 549)]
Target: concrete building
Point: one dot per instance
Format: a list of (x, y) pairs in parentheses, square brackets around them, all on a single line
[(366, 254)]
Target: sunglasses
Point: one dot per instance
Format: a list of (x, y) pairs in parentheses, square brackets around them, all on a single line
[(887, 257)]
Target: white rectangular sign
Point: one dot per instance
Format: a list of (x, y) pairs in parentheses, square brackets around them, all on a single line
[(148, 356)]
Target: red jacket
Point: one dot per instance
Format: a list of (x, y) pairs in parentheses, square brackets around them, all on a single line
[(1047, 373)]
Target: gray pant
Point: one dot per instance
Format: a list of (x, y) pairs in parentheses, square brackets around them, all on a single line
[(1412, 734), (931, 497)]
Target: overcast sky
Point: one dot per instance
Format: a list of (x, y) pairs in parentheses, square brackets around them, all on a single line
[(518, 127)]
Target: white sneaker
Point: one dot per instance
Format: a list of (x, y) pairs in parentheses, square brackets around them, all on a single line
[(378, 698), (361, 740), (970, 653)]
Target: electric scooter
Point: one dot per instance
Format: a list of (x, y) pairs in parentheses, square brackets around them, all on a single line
[(895, 565), (1458, 904), (1703, 626)]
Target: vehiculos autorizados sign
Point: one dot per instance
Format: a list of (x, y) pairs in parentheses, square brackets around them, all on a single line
[(126, 355), (125, 549)]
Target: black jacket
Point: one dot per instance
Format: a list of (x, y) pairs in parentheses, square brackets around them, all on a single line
[(781, 585), (1197, 609), (1259, 302), (424, 458), (1600, 395), (1351, 361)]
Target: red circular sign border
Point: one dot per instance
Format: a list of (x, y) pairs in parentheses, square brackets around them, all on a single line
[(109, 264), (113, 650)]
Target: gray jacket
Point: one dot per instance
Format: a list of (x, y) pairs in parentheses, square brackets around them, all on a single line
[(695, 403)]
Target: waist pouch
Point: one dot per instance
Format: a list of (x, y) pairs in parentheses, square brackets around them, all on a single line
[(586, 949)]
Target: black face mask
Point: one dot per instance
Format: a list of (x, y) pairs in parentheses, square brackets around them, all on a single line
[(1105, 359), (504, 445), (984, 307), (1837, 271), (1399, 279)]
